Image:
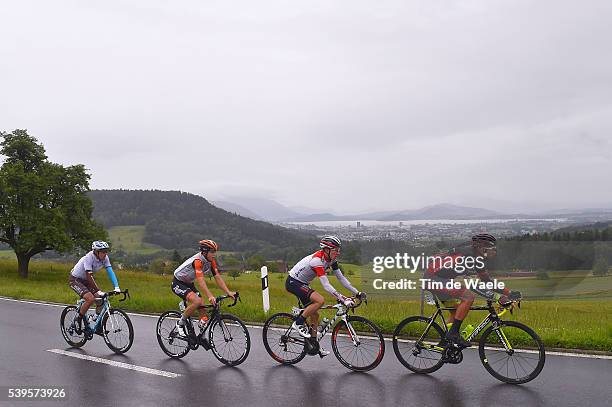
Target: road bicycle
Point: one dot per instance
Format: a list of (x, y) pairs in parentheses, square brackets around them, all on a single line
[(510, 351), (112, 324), (357, 342), (228, 338)]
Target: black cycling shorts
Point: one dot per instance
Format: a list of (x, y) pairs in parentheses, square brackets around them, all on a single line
[(299, 289), (183, 289)]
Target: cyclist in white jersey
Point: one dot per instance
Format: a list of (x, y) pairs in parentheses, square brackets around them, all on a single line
[(305, 271), (82, 278)]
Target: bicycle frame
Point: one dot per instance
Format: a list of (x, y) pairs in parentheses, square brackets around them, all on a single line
[(106, 307), (215, 315), (493, 318), (341, 312)]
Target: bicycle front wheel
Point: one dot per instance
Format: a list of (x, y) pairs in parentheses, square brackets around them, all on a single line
[(68, 327), (358, 343), (171, 341), (512, 352), (283, 343), (229, 340), (118, 331), (418, 344)]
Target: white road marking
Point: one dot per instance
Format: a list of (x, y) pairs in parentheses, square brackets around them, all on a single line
[(548, 352), (116, 364)]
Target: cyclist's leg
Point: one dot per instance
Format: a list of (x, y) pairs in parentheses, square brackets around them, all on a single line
[(316, 302), (195, 301), (83, 291), (305, 295), (467, 299), (188, 293)]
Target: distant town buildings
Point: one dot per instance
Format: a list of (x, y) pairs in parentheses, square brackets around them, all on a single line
[(430, 232)]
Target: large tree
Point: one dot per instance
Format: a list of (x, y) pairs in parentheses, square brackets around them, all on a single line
[(43, 206)]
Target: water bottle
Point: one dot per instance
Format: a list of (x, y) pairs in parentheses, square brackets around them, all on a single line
[(202, 322), (323, 324), (295, 311), (90, 319), (182, 306), (467, 331)]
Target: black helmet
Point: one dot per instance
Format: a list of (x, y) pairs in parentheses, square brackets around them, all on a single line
[(484, 238)]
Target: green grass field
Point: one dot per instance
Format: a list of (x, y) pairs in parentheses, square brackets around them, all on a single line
[(7, 254), (129, 239), (566, 323), (567, 285)]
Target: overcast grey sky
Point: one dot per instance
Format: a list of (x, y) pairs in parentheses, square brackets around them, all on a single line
[(352, 105)]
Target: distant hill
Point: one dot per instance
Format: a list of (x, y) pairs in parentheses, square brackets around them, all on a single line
[(440, 211), (235, 208), (178, 220), (266, 209), (443, 211), (318, 217)]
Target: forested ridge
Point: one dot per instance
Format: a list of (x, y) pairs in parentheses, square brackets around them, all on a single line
[(178, 220)]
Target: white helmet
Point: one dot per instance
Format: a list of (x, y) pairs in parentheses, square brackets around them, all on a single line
[(100, 245), (330, 242)]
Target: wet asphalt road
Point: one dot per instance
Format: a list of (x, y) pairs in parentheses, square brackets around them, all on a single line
[(27, 331)]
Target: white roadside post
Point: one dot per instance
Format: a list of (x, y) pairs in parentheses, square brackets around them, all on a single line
[(264, 289)]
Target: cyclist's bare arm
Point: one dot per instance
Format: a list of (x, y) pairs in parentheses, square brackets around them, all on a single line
[(221, 283), (202, 283)]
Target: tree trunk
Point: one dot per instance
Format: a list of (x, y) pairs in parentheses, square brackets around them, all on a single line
[(23, 262)]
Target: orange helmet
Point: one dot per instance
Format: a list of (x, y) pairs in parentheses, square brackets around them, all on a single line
[(208, 245)]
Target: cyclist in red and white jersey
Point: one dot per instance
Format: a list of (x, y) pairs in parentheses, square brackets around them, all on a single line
[(315, 265)]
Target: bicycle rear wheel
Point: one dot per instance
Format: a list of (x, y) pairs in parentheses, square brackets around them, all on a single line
[(500, 353), (118, 331), (284, 344), (358, 345), (417, 347), (67, 326), (170, 340), (229, 340)]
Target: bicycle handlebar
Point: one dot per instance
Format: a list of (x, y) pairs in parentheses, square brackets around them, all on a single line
[(125, 293), (220, 298), (356, 303), (235, 297)]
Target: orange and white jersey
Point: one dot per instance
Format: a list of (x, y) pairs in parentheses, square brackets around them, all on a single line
[(195, 266)]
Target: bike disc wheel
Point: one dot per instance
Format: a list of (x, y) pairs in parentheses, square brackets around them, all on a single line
[(360, 346), (118, 331), (284, 344), (170, 340), (67, 327), (522, 363), (416, 354), (229, 340)]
